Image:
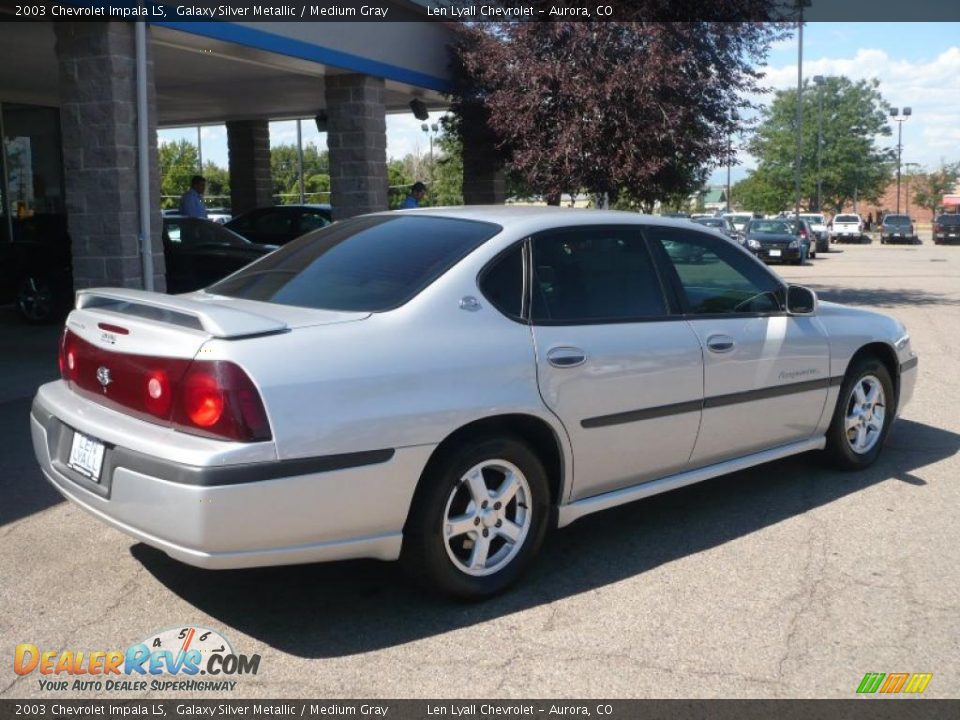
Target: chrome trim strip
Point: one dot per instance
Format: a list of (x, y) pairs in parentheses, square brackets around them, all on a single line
[(576, 510)]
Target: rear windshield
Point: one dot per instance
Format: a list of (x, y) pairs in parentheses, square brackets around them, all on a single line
[(815, 219), (771, 227), (710, 222), (367, 264), (896, 220), (952, 220), (846, 219)]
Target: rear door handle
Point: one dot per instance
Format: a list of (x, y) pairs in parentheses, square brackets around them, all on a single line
[(720, 343), (566, 357)]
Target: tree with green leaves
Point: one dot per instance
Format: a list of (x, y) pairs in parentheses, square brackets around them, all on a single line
[(932, 186), (178, 163), (447, 185), (853, 165), (285, 169)]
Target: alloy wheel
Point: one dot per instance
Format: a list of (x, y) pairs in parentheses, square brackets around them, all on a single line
[(487, 517), (865, 415)]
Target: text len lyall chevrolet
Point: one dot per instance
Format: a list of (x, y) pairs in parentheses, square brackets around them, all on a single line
[(441, 385)]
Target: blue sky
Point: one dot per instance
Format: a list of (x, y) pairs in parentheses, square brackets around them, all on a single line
[(918, 64)]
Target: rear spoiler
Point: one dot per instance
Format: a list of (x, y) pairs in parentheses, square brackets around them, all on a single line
[(215, 319)]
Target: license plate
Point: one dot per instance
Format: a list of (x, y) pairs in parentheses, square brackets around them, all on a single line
[(86, 456), (774, 253)]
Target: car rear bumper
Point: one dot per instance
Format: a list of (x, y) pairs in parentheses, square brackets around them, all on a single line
[(242, 515), (947, 239), (906, 239), (785, 254)]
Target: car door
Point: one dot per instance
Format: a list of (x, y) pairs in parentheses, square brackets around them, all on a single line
[(765, 373), (624, 378)]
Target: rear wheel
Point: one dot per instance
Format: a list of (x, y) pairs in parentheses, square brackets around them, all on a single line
[(865, 409), (478, 518), (38, 300)]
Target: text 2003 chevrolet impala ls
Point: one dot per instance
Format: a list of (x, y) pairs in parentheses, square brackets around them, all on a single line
[(441, 385)]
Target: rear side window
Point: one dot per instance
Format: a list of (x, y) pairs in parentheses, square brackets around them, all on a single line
[(367, 264), (594, 275), (502, 282)]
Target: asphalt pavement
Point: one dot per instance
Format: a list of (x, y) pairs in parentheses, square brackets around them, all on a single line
[(788, 580)]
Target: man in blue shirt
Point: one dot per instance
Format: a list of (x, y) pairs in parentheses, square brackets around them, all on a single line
[(416, 195), (191, 204)]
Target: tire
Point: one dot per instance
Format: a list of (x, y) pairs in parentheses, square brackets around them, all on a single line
[(858, 385), (38, 301), (450, 562)]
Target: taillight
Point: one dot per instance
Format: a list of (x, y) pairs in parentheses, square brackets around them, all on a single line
[(217, 398), (214, 398), (937, 228), (69, 359)]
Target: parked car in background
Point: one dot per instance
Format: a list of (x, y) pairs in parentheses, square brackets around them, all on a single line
[(740, 220), (219, 215), (718, 223), (946, 229), (777, 240), (818, 225), (898, 229), (199, 252), (279, 224), (847, 228), (257, 422)]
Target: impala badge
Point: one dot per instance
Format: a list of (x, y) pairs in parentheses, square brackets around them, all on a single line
[(103, 376)]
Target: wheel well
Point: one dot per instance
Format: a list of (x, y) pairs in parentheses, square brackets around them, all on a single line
[(885, 354), (532, 430)]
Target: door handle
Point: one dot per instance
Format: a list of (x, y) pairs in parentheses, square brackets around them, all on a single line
[(720, 343), (566, 357)]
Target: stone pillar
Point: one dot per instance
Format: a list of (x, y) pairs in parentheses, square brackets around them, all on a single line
[(357, 141), (98, 119), (251, 185), (484, 182)]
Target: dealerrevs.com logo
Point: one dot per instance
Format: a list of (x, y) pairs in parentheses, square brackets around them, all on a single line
[(180, 659)]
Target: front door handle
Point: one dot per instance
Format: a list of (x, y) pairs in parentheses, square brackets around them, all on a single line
[(720, 343), (566, 357)]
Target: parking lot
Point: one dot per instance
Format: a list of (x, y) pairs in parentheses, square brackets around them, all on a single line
[(787, 580)]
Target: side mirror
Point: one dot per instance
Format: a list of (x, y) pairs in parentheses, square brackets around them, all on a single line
[(801, 300)]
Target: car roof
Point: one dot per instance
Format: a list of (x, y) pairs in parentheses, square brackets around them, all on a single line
[(539, 217)]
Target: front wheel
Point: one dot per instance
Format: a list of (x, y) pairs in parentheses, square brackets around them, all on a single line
[(478, 518), (865, 409)]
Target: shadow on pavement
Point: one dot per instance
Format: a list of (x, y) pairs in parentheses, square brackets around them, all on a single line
[(882, 298), (337, 609), (28, 358)]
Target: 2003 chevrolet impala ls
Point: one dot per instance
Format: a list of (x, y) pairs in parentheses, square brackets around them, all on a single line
[(442, 385)]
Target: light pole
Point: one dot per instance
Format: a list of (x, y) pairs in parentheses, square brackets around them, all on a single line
[(430, 130), (729, 160), (900, 120), (819, 81), (800, 5)]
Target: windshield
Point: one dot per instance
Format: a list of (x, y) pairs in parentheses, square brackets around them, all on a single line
[(711, 222), (367, 264), (771, 227)]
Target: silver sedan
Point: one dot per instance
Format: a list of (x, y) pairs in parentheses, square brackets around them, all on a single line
[(441, 386)]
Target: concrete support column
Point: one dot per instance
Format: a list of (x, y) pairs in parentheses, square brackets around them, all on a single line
[(98, 116), (248, 144), (357, 141), (484, 182)]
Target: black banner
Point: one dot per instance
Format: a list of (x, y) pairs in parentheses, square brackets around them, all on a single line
[(855, 709), (166, 11)]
